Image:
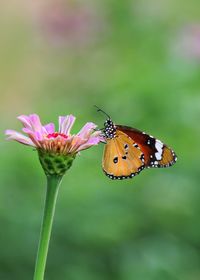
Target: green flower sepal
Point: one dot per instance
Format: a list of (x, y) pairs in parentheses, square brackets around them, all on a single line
[(55, 164)]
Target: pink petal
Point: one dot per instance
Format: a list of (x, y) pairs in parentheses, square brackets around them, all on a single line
[(76, 142), (34, 128), (25, 120), (87, 129), (32, 122), (35, 122), (86, 138), (100, 136), (66, 123), (37, 135), (91, 142), (14, 135), (49, 128)]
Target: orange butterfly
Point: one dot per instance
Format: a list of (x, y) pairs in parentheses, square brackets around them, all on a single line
[(128, 151)]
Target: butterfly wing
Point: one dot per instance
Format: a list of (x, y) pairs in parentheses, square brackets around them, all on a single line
[(122, 157), (156, 153)]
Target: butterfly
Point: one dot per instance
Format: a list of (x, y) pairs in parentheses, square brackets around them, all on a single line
[(128, 151)]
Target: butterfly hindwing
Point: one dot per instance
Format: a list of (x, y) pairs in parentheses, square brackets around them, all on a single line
[(156, 153), (122, 157)]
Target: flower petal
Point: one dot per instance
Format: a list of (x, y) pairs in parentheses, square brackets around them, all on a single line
[(91, 142), (86, 130), (25, 120), (49, 128), (19, 137), (100, 135), (32, 122), (35, 122), (76, 142), (61, 142), (36, 135), (66, 123)]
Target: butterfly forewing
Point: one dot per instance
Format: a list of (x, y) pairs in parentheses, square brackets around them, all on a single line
[(156, 153), (122, 157)]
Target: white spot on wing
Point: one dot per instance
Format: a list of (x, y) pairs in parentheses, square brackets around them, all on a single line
[(159, 148)]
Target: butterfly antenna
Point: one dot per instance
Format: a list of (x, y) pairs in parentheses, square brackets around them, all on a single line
[(100, 110)]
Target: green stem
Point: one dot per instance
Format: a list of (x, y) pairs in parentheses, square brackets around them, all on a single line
[(53, 183)]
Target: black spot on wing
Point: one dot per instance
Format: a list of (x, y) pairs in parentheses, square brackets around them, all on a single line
[(126, 146), (115, 160)]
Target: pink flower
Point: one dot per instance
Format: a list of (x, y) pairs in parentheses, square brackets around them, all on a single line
[(45, 138), (56, 149)]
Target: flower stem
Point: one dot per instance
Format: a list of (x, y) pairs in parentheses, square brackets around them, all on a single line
[(53, 183)]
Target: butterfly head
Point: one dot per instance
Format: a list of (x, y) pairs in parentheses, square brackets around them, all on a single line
[(109, 129)]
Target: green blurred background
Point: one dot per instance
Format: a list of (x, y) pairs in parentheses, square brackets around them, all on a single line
[(139, 61)]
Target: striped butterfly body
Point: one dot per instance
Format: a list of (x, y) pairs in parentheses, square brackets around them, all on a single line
[(128, 151)]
